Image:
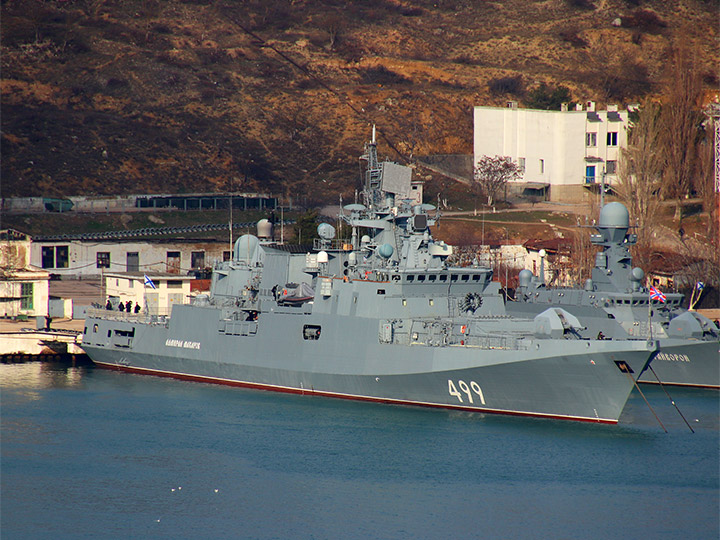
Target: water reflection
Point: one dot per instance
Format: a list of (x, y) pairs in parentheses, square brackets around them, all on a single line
[(40, 375)]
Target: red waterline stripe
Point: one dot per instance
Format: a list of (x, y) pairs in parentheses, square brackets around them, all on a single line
[(304, 391), (689, 385)]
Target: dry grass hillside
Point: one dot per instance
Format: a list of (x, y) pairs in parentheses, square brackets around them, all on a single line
[(110, 96)]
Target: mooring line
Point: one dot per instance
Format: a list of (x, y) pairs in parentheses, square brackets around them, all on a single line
[(646, 401), (671, 399)]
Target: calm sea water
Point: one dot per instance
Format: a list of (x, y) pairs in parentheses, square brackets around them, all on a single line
[(88, 453)]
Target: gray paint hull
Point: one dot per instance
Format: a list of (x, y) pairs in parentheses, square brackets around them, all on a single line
[(681, 362), (685, 363), (547, 378)]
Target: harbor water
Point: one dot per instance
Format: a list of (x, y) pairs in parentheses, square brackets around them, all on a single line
[(90, 453)]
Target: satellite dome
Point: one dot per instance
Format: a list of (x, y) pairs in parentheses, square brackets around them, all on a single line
[(637, 274), (385, 251), (264, 228), (326, 231), (615, 214), (525, 277)]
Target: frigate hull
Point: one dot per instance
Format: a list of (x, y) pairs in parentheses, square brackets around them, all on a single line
[(575, 380), (685, 363)]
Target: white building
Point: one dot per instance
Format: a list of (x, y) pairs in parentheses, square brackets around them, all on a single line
[(83, 257), (156, 299), (24, 288), (564, 154)]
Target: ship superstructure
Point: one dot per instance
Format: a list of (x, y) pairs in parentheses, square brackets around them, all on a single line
[(380, 316)]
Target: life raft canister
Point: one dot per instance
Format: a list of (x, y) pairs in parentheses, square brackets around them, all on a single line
[(463, 329)]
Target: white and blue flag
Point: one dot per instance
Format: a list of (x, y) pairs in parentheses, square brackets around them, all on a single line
[(149, 282), (700, 286)]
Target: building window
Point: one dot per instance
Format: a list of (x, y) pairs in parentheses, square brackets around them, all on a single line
[(226, 256), (132, 263), (55, 257), (26, 295), (521, 164), (612, 138), (103, 259), (590, 174), (542, 166), (61, 257), (197, 259), (611, 167), (173, 262), (174, 284), (591, 139), (48, 257)]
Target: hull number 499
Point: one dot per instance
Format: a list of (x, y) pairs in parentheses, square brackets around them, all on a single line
[(468, 390)]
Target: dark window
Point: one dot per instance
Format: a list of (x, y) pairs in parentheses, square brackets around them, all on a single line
[(103, 259), (133, 262), (48, 257), (381, 291), (411, 278), (197, 259), (612, 138), (476, 277), (466, 277), (443, 277), (432, 277), (55, 257), (421, 277), (226, 256), (174, 284), (26, 294), (173, 262), (61, 257), (453, 277)]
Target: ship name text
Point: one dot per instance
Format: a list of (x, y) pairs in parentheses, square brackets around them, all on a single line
[(182, 344)]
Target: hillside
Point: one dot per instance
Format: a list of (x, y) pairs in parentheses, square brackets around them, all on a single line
[(109, 96)]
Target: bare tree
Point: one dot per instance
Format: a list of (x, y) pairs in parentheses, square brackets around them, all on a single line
[(681, 118), (492, 173), (641, 173)]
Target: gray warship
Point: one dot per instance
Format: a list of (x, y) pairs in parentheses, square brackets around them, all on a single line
[(615, 305), (380, 316)]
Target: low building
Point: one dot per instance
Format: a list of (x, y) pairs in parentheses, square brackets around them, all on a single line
[(85, 257), (24, 288), (155, 293), (562, 155)]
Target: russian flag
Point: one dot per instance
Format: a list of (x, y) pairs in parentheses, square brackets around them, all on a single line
[(656, 294), (149, 282)]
